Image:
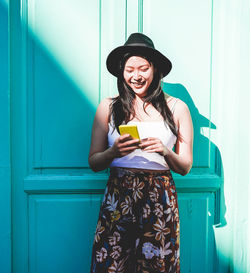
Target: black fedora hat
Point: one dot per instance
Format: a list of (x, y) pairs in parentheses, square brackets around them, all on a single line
[(140, 44)]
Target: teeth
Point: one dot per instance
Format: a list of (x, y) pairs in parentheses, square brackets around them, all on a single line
[(138, 83)]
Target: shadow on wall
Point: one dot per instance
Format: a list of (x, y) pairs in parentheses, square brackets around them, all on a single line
[(203, 150), (59, 119), (5, 184), (201, 147), (62, 113), (3, 47), (3, 77)]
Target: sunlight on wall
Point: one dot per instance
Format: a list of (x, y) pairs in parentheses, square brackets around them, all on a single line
[(223, 246), (5, 3), (232, 137), (248, 225), (71, 36)]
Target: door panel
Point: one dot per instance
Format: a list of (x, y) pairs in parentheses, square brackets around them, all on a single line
[(197, 213), (63, 81), (61, 230)]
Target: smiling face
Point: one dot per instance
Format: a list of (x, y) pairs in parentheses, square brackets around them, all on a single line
[(138, 74)]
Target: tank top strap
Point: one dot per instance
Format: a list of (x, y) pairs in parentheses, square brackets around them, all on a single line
[(173, 106)]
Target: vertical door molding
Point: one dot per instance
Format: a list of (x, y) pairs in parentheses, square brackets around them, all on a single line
[(114, 13), (5, 164), (18, 138)]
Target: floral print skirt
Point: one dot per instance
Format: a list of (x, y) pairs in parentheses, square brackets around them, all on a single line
[(138, 226)]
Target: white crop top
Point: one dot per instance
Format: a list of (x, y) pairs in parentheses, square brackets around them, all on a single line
[(141, 159)]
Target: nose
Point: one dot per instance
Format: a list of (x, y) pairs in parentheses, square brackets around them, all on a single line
[(136, 75)]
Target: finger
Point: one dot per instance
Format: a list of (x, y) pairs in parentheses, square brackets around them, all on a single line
[(133, 142), (126, 152), (149, 148), (153, 151), (128, 148), (145, 140), (127, 137), (148, 143), (124, 137), (150, 139), (154, 147)]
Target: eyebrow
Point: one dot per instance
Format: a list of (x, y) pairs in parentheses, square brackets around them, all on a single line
[(138, 66)]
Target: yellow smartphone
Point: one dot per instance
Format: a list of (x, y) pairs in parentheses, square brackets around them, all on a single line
[(129, 129)]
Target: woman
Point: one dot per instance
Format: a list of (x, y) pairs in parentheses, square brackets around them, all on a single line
[(138, 226)]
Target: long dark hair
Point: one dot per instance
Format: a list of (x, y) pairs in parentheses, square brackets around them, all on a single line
[(121, 108)]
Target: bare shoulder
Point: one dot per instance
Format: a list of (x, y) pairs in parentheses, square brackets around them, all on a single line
[(170, 100), (104, 106), (181, 108), (175, 103), (182, 116), (105, 103), (103, 111)]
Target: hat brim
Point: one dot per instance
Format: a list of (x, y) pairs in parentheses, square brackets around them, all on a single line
[(115, 56)]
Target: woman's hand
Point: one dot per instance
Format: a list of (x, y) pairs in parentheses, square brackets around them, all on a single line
[(153, 145), (124, 145)]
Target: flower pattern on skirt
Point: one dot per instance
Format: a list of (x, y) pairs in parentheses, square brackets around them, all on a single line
[(138, 225)]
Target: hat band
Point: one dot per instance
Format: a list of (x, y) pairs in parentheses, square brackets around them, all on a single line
[(140, 44)]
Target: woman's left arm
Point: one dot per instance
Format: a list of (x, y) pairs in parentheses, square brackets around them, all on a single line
[(181, 160)]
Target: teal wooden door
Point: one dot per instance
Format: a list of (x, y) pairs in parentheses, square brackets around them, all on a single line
[(58, 77), (5, 170), (54, 93)]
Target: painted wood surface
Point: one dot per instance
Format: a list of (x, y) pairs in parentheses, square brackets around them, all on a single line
[(5, 170), (58, 77)]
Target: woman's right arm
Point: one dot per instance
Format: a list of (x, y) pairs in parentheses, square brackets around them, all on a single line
[(100, 156)]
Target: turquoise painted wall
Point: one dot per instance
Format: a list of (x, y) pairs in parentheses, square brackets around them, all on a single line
[(58, 76), (231, 114), (5, 184)]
